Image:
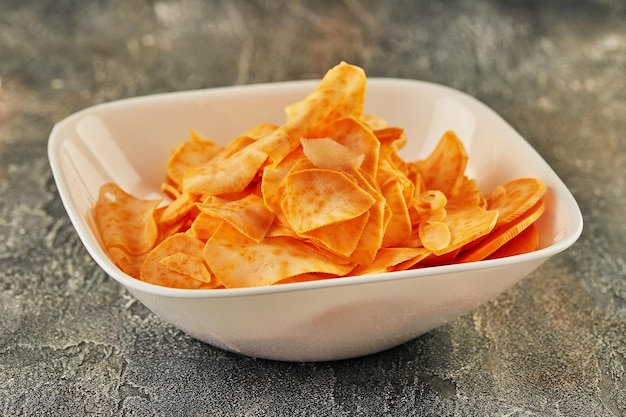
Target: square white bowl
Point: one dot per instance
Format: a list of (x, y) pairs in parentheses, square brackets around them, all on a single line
[(129, 142)]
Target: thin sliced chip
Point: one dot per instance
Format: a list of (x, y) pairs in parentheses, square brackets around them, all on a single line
[(125, 221), (399, 227), (177, 209), (248, 215), (272, 187), (444, 168), (398, 191), (339, 94), (416, 178), (240, 262), (229, 175), (467, 225), (421, 254), (178, 251), (279, 229), (503, 234), (379, 215), (326, 153), (204, 225), (468, 195), (168, 229), (435, 236), (391, 259), (430, 200), (372, 237), (518, 196), (354, 135), (129, 264), (388, 173), (196, 151), (315, 198), (427, 206), (525, 242), (188, 265), (339, 238), (392, 139)]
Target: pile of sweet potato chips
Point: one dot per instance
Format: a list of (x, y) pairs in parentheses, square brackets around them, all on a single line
[(324, 195)]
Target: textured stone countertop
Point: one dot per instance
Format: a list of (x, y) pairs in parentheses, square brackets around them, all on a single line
[(74, 342)]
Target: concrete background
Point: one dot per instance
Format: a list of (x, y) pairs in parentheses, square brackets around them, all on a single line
[(73, 342)]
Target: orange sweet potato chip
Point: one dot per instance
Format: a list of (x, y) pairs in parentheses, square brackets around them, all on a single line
[(398, 228), (129, 264), (326, 153), (503, 234), (316, 197), (391, 259), (427, 206), (467, 225), (248, 215), (392, 139), (204, 225), (196, 151), (444, 168), (355, 136), (340, 94), (178, 262), (515, 197), (435, 236), (241, 262), (526, 241), (179, 208), (324, 195), (371, 240), (124, 221), (223, 176), (339, 238)]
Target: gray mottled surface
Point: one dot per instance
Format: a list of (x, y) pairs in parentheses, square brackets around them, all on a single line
[(73, 342)]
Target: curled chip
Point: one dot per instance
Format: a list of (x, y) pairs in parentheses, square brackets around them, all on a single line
[(178, 262), (325, 195), (125, 222)]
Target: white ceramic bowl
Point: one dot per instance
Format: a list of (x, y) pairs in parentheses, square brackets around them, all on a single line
[(129, 142)]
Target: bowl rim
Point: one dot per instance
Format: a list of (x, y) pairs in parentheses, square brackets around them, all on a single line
[(89, 242)]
